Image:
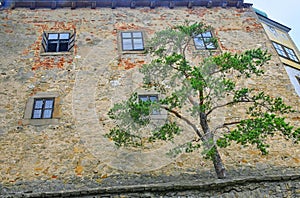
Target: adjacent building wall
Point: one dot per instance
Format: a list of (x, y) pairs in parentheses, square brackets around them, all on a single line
[(280, 34)]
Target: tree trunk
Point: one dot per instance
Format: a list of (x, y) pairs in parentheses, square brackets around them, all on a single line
[(216, 158), (218, 164)]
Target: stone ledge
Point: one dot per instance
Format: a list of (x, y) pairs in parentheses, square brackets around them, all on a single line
[(165, 187)]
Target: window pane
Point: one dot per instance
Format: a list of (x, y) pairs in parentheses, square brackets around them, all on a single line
[(138, 44), (210, 46), (137, 34), (126, 34), (143, 98), (279, 49), (63, 47), (294, 58), (53, 36), (47, 113), (291, 54), (199, 43), (281, 52), (52, 47), (37, 114), (289, 51), (153, 98), (207, 34), (38, 104), (64, 36), (49, 104), (127, 44)]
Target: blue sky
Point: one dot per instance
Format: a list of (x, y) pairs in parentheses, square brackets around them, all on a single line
[(285, 12)]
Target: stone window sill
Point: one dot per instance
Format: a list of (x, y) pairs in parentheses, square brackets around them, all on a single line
[(39, 122), (55, 53), (134, 52)]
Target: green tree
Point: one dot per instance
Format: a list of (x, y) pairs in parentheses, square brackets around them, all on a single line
[(194, 91)]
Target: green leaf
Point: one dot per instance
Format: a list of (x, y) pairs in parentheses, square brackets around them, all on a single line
[(166, 132)]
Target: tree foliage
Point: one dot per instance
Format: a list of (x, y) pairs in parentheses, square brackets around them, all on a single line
[(194, 90)]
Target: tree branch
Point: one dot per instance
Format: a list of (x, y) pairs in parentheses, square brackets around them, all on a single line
[(178, 115), (231, 123), (224, 105)]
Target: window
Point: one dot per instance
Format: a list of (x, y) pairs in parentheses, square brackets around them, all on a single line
[(42, 108), (291, 54), (132, 41), (204, 41), (285, 52), (151, 98), (58, 42), (273, 30)]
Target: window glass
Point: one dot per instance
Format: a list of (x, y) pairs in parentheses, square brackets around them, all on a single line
[(52, 36), (43, 108), (38, 104), (64, 36), (63, 47), (126, 34), (47, 114), (199, 43), (138, 44), (291, 54), (210, 45), (285, 52), (58, 42), (48, 104), (153, 98), (37, 114), (127, 44), (207, 34), (273, 30), (137, 34), (52, 47), (204, 41), (132, 41), (143, 98), (279, 49)]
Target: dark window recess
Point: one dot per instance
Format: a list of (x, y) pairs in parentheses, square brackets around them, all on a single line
[(204, 41), (285, 52), (151, 98), (132, 41), (42, 108), (298, 79), (58, 42)]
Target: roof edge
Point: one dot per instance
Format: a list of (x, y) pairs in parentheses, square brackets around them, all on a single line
[(272, 22), (73, 4)]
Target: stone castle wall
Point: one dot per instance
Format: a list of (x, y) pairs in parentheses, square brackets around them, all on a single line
[(94, 76)]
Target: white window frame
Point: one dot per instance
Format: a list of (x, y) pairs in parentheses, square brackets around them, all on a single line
[(134, 39)]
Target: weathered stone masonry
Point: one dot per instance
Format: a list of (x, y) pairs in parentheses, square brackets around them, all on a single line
[(97, 74)]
